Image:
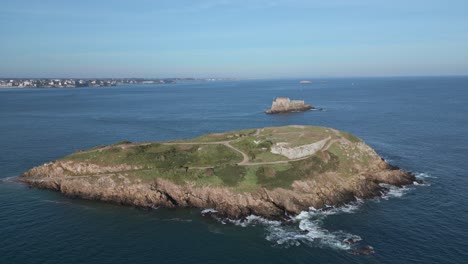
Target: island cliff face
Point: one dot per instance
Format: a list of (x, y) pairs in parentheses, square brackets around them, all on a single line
[(271, 172), (285, 105)]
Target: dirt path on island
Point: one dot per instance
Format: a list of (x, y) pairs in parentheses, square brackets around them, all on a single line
[(245, 158)]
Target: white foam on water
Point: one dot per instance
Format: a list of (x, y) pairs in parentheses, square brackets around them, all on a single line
[(208, 211), (421, 184), (306, 228), (310, 230), (394, 191), (253, 220), (424, 175), (348, 208)]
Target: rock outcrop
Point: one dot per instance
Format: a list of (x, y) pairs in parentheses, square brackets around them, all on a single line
[(285, 105)]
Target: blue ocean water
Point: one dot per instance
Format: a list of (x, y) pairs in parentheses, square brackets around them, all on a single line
[(419, 124)]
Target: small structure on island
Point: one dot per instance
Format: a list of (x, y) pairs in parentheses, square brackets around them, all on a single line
[(284, 105)]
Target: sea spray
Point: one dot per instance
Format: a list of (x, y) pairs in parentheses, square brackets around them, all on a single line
[(307, 228), (391, 191)]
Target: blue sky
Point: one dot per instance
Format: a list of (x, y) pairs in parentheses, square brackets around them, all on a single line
[(232, 38)]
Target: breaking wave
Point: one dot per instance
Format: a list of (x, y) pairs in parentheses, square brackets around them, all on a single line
[(307, 228), (253, 220), (208, 211), (394, 191), (424, 175)]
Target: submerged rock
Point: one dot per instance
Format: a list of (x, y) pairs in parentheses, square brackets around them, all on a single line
[(367, 250)]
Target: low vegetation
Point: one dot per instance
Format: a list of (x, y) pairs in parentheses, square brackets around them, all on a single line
[(216, 159)]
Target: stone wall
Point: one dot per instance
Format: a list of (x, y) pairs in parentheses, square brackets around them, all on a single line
[(300, 151)]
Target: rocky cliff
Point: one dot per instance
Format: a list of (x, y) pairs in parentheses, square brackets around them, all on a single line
[(234, 173), (284, 105)]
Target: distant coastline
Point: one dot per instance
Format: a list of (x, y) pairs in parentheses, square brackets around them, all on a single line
[(96, 82)]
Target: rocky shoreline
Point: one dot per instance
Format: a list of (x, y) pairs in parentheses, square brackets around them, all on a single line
[(297, 109), (275, 204)]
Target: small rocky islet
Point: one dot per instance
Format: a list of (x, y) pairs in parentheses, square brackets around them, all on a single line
[(273, 172), (286, 105)]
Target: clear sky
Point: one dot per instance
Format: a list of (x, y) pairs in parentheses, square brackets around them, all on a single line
[(233, 38)]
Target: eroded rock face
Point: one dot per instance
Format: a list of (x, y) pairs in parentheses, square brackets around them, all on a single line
[(272, 204), (284, 105), (64, 168)]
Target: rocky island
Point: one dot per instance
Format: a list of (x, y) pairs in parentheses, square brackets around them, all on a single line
[(272, 172), (285, 105)]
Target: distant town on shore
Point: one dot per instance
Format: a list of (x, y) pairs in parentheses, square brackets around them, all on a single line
[(98, 82)]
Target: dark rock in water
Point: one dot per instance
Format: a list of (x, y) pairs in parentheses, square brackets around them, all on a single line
[(367, 250), (419, 181), (350, 241)]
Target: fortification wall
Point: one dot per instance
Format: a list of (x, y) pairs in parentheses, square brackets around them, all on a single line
[(300, 151)]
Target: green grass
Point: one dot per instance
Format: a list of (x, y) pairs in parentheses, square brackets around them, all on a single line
[(298, 170), (267, 156), (258, 150), (161, 156), (211, 155), (179, 176), (218, 137), (231, 175), (249, 182), (348, 163), (209, 181), (183, 163), (350, 137), (296, 136)]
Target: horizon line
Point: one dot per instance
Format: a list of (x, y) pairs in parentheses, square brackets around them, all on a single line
[(250, 78)]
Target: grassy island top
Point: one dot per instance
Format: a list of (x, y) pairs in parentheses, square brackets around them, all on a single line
[(242, 160)]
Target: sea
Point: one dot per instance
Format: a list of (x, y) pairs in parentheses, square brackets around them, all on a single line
[(417, 123)]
